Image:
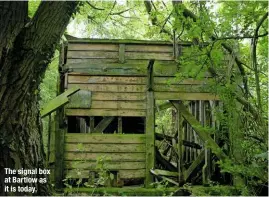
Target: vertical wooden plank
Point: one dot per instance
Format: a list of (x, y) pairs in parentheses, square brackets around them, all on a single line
[(91, 124), (180, 144), (82, 125), (120, 125), (206, 173), (121, 53), (150, 127)]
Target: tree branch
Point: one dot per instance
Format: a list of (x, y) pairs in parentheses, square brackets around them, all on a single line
[(254, 60), (239, 64), (154, 20), (94, 7), (120, 12), (240, 37)]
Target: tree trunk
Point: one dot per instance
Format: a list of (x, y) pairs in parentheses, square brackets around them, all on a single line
[(25, 53)]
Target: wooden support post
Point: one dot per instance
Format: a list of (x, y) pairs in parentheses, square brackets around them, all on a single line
[(59, 154), (120, 125), (150, 127)]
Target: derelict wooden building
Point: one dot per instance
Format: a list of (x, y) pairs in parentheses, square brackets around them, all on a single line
[(110, 117)]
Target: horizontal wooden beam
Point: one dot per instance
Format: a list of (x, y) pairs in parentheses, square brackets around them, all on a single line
[(116, 165), (105, 138), (105, 112), (107, 148), (58, 102), (192, 96), (84, 156), (165, 173)]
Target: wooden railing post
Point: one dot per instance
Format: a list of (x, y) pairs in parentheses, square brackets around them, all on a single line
[(150, 127)]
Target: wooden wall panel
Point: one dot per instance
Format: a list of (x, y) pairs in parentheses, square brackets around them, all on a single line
[(125, 96), (122, 153)]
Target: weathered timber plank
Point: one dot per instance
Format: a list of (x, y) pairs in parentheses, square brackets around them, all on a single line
[(128, 174), (107, 148), (75, 156), (92, 47), (103, 124), (148, 56), (201, 132), (174, 80), (57, 102), (77, 174), (108, 165), (75, 62), (199, 160), (118, 105), (165, 173), (163, 161), (123, 174), (148, 48), (164, 178), (109, 87), (120, 71), (93, 54), (114, 96), (112, 63), (74, 78), (105, 138), (130, 67), (184, 96), (105, 112), (106, 79), (125, 41), (179, 88)]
